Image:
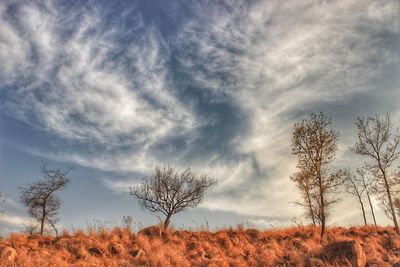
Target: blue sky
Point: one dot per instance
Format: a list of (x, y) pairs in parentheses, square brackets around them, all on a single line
[(114, 88)]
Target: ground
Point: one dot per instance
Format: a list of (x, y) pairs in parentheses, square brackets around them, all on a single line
[(296, 246)]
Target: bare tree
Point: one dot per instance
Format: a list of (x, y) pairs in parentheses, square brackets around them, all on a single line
[(40, 199), (354, 185), (366, 184), (377, 142), (170, 191), (315, 146)]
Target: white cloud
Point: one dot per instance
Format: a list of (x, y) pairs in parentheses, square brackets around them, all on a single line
[(273, 60), (77, 90), (14, 220), (289, 57), (120, 185)]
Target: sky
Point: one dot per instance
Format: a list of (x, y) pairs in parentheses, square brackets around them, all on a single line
[(115, 88)]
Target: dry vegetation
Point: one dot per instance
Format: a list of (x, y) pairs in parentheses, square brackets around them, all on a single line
[(228, 247)]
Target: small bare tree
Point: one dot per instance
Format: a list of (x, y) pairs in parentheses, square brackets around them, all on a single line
[(367, 185), (377, 142), (170, 191), (354, 185), (40, 199), (315, 146)]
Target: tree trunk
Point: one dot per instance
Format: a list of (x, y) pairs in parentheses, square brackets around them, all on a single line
[(389, 195), (369, 201), (321, 200), (167, 220), (322, 211), (43, 218), (363, 210), (372, 208), (311, 208)]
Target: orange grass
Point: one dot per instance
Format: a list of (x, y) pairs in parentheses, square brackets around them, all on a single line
[(228, 247)]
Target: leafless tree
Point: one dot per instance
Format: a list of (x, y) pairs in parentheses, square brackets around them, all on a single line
[(354, 185), (170, 191), (367, 185), (315, 146), (377, 142), (40, 199)]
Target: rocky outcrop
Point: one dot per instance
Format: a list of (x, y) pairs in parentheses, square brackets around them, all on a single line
[(344, 252)]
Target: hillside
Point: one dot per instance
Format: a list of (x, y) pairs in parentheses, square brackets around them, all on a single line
[(297, 246)]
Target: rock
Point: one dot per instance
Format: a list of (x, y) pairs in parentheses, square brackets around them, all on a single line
[(151, 231), (314, 262), (8, 255), (344, 251), (95, 251), (397, 264)]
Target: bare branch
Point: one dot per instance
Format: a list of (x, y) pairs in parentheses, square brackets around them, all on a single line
[(170, 191), (40, 199)]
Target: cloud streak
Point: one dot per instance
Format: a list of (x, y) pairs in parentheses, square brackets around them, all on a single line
[(219, 95)]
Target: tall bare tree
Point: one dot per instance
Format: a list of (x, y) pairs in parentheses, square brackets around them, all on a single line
[(367, 184), (315, 145), (170, 191), (40, 199), (354, 185), (377, 141)]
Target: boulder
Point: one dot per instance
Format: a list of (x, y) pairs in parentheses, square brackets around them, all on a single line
[(8, 255), (345, 252), (95, 251), (151, 231)]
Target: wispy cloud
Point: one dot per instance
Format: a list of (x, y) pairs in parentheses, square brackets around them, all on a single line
[(220, 95), (74, 76)]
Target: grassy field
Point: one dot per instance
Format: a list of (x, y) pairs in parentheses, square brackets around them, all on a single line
[(227, 247)]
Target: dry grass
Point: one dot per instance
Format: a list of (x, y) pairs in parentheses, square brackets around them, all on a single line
[(229, 247)]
